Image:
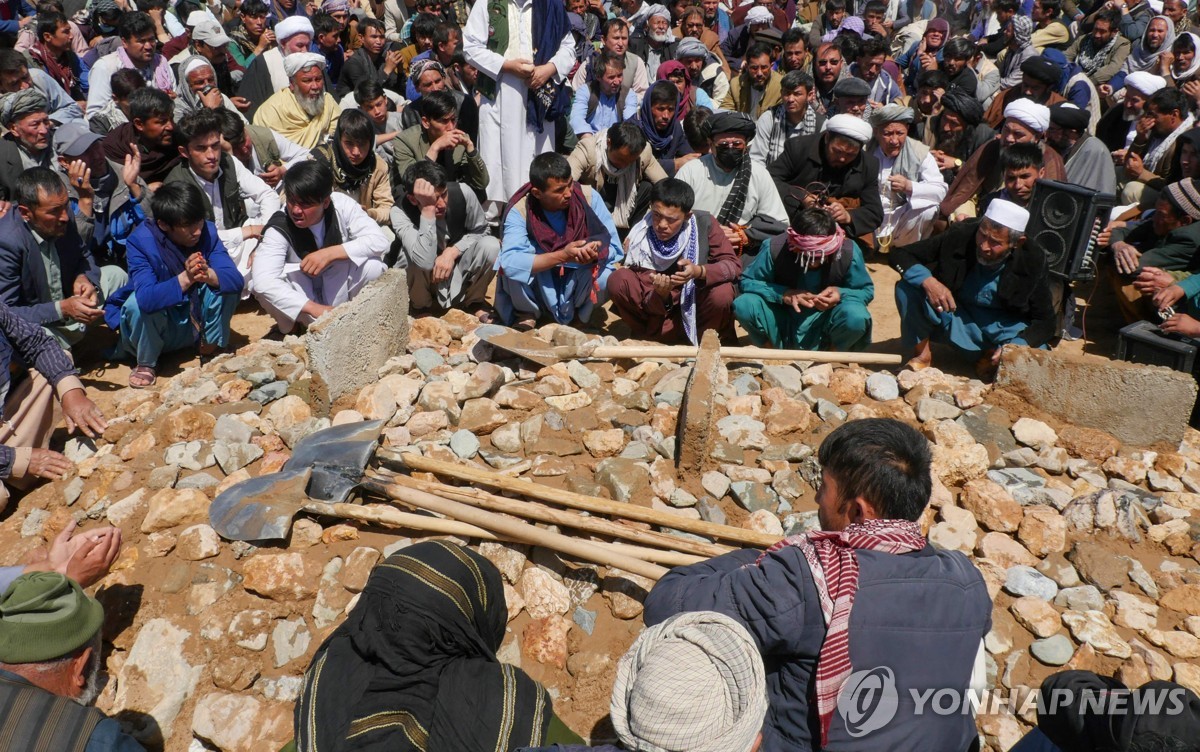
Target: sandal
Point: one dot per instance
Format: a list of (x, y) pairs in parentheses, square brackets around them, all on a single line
[(141, 377), (485, 316), (525, 325)]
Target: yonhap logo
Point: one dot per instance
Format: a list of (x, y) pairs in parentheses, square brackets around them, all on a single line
[(868, 700)]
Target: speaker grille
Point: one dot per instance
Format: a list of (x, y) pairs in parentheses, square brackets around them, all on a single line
[(1060, 210), (1054, 243)]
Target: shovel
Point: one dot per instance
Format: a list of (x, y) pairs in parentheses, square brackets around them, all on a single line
[(532, 348)]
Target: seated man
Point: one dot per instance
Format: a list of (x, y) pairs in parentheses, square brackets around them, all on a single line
[(869, 68), (146, 143), (957, 55), (619, 164), (679, 276), (16, 75), (50, 662), (438, 138), (1149, 158), (317, 252), (357, 171), (1152, 254), (235, 200), (47, 274), (703, 67), (604, 100), (1050, 30), (614, 39), (53, 53), (559, 247), (304, 113), (260, 150), (719, 663), (444, 242), (1021, 166), (1040, 77), (1117, 127), (1103, 50), (794, 116), (851, 96), (977, 286), (870, 555), (756, 89), (183, 287), (955, 133), (836, 161), (732, 187), (1088, 160), (139, 51), (266, 74), (810, 291), (662, 129), (25, 118), (911, 186)]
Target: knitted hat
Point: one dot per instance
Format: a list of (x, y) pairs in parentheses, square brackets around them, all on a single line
[(1186, 197), (45, 615)]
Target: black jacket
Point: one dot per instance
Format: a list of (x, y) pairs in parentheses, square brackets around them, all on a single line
[(1024, 284), (361, 68), (803, 163), (1113, 128)]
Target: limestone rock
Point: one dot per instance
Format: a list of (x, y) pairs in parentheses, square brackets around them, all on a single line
[(604, 443), (1036, 615), (1027, 581), (956, 465), (1034, 433), (509, 558), (358, 567), (1099, 567), (623, 478), (172, 507), (882, 386), (992, 505), (290, 640), (239, 722), (156, 679), (764, 521), (481, 416), (1043, 530), (1185, 599), (1004, 551), (186, 424), (1089, 443), (198, 542), (1134, 611), (250, 629), (544, 596), (545, 641), (1094, 628), (625, 592), (281, 577)]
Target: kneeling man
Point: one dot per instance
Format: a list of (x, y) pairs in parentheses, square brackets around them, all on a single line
[(316, 253), (977, 286), (679, 271), (559, 247), (810, 291)]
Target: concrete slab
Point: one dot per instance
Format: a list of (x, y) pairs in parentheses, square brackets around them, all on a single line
[(1139, 405), (693, 431), (347, 346)]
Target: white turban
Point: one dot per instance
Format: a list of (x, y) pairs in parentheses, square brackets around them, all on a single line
[(758, 14), (196, 63), (850, 126), (660, 11), (1030, 113), (298, 61), (694, 682), (1145, 82), (291, 26), (1007, 214)]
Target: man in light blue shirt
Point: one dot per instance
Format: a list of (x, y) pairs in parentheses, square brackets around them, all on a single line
[(604, 101)]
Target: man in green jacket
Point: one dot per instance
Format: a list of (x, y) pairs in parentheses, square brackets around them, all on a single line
[(1150, 255), (439, 140)]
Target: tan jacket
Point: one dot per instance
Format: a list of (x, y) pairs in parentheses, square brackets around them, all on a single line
[(375, 196), (738, 97), (586, 169)]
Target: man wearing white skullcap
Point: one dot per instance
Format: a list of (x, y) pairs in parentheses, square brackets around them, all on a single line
[(1034, 116), (267, 75), (1115, 127), (304, 113), (836, 159), (978, 286)]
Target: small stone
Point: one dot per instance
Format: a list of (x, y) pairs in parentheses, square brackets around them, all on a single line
[(249, 629), (1090, 444), (173, 507), (163, 477), (427, 359), (1043, 531), (604, 443), (1053, 651), (1097, 566), (785, 377), (882, 387), (1188, 675), (290, 640), (929, 409), (625, 592), (569, 402), (1004, 551), (464, 444), (710, 511), (268, 393), (481, 416), (1034, 433), (234, 456), (716, 484), (229, 428), (1094, 628), (1036, 615), (545, 641), (830, 412), (764, 521), (281, 577), (198, 542), (1027, 581), (1134, 612), (1184, 599), (623, 478), (754, 496), (992, 505), (583, 376), (544, 596), (1080, 598)]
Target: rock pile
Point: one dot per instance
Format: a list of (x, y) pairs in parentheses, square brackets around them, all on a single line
[(1088, 548)]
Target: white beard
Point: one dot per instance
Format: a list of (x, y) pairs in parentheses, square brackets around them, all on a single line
[(313, 106), (661, 38)]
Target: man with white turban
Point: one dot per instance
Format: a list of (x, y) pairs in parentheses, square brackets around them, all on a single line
[(267, 75), (1116, 126), (657, 45), (832, 171), (304, 113), (1024, 122), (911, 186), (717, 660), (977, 287)]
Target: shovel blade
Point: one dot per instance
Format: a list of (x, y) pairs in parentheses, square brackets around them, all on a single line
[(337, 457), (522, 344), (260, 508)]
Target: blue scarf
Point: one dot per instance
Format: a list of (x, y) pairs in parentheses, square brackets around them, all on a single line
[(664, 146), (550, 25)]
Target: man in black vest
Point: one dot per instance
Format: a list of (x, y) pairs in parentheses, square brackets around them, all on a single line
[(678, 278), (50, 661), (444, 242)]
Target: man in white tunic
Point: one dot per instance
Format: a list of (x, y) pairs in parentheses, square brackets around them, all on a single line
[(910, 185), (526, 50), (316, 253)]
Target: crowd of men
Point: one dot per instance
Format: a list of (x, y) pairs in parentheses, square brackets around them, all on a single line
[(692, 166)]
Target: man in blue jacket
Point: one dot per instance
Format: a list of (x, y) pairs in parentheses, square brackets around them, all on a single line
[(183, 286), (861, 621)]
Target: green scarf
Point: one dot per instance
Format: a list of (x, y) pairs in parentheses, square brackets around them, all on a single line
[(497, 42)]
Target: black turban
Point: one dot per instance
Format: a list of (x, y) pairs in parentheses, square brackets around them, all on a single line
[(1043, 70), (964, 105), (1067, 115), (730, 122)]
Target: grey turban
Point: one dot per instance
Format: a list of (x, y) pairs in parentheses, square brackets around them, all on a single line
[(16, 105), (690, 47), (892, 113), (694, 682)]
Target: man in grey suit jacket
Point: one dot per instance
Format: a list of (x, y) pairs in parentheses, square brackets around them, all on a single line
[(47, 273)]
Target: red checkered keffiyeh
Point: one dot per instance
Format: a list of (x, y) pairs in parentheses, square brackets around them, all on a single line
[(831, 558)]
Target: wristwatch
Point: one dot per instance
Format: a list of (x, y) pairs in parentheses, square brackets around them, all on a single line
[(957, 163)]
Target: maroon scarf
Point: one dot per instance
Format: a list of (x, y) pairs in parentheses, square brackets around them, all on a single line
[(582, 224), (59, 72)]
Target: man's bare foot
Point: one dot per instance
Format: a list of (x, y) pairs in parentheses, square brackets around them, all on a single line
[(922, 356)]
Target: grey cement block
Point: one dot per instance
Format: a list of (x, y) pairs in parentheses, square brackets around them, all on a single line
[(1140, 405), (347, 346)]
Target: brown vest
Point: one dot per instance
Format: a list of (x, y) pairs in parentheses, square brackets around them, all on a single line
[(34, 720)]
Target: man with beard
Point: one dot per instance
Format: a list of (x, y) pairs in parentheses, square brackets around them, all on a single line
[(794, 116), (1102, 51), (977, 287), (832, 171), (795, 55), (603, 100), (828, 71), (370, 62), (1149, 256), (619, 164), (266, 75), (50, 662), (1149, 158), (1117, 126), (657, 45), (1039, 79), (756, 90), (911, 187), (616, 42), (1177, 11), (304, 113), (1088, 160), (26, 121), (932, 86), (716, 19), (851, 96), (732, 187), (956, 132), (704, 69), (869, 67), (137, 51), (691, 24)]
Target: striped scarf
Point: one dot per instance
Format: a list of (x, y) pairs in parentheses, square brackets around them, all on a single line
[(834, 565), (735, 202)]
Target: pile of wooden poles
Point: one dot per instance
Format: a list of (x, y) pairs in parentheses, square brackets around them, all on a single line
[(626, 538)]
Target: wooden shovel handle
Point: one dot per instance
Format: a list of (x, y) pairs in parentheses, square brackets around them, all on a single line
[(741, 353)]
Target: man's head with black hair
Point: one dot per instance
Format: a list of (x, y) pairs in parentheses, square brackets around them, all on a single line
[(1021, 166), (138, 37), (151, 112), (875, 468), (307, 189), (180, 211), (550, 181)]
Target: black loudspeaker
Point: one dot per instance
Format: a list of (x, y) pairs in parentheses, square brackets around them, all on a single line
[(1065, 220), (1143, 342)]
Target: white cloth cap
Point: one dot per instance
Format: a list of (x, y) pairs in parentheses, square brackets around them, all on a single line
[(196, 17), (660, 11), (1030, 113), (1145, 82), (850, 126), (1007, 214), (298, 61), (758, 14), (291, 26), (195, 64), (1155, 5)]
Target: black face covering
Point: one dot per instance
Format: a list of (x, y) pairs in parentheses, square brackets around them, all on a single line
[(728, 157)]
